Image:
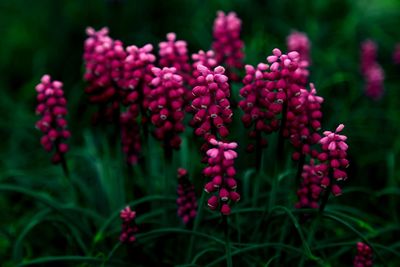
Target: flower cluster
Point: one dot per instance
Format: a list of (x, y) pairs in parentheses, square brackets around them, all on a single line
[(371, 70), (206, 59), (174, 53), (364, 256), (166, 105), (298, 41), (310, 187), (222, 173), (129, 227), (210, 104), (52, 107), (135, 78), (334, 154), (304, 129), (186, 201), (227, 44), (260, 106), (104, 59), (328, 173)]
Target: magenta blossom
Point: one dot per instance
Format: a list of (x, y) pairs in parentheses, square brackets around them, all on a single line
[(371, 70), (227, 44), (364, 256), (129, 227), (222, 172), (52, 107)]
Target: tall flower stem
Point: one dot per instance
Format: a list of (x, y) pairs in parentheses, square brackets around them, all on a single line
[(258, 152)]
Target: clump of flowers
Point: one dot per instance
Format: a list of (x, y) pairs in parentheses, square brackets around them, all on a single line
[(222, 173), (259, 105), (52, 107), (129, 227), (334, 154), (186, 201), (211, 104), (371, 70), (326, 175), (174, 53), (166, 106), (135, 78), (298, 41), (104, 59), (227, 44), (363, 257)]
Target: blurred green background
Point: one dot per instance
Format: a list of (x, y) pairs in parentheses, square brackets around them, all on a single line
[(39, 37)]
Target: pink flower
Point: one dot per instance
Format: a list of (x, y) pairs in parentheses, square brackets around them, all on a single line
[(130, 134), (298, 41), (221, 171), (227, 44), (129, 227), (174, 53), (186, 201), (104, 59), (52, 107), (166, 105), (371, 70), (363, 257), (210, 104)]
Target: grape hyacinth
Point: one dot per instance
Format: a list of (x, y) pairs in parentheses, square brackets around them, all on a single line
[(259, 105), (52, 107), (310, 185), (104, 59), (166, 106), (174, 53), (210, 104), (371, 70), (129, 227), (298, 41), (304, 129), (363, 257), (222, 172), (135, 79), (227, 44), (186, 201), (334, 154)]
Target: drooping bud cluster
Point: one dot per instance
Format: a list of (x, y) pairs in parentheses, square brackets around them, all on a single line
[(166, 105), (328, 173), (310, 186), (129, 227), (298, 41), (227, 44), (334, 154), (174, 53), (210, 104), (52, 107), (186, 201), (260, 106), (371, 70), (222, 172), (206, 59), (396, 54), (304, 129), (363, 257), (104, 59), (135, 79)]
